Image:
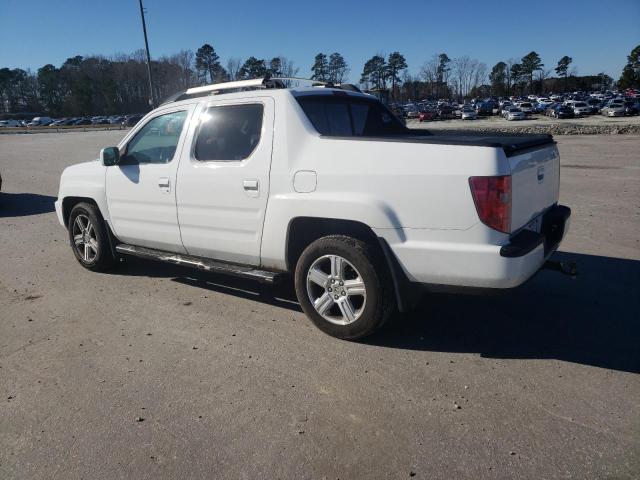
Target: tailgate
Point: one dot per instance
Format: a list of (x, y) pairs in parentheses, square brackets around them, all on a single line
[(535, 182)]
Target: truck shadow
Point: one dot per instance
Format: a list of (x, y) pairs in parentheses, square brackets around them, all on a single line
[(592, 319), (25, 204)]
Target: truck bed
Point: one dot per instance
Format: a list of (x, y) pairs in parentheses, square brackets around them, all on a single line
[(511, 143)]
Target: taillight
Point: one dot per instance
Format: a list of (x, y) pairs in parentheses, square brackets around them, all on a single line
[(492, 196)]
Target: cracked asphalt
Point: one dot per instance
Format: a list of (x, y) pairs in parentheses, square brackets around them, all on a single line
[(155, 371)]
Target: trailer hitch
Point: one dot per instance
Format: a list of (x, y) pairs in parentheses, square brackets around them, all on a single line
[(567, 268)]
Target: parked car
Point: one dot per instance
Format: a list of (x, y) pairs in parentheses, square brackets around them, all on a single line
[(278, 181), (560, 111), (594, 105), (9, 123), (581, 108), (131, 120), (40, 122), (514, 113), (426, 115), (468, 113), (82, 121), (631, 108), (613, 109), (445, 111), (484, 108), (525, 107), (411, 113)]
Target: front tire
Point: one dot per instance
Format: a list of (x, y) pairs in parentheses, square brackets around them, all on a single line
[(343, 286), (89, 238)]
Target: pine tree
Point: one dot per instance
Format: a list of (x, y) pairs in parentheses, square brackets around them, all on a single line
[(395, 65), (337, 68), (531, 62), (252, 68), (207, 62), (563, 69), (320, 68)]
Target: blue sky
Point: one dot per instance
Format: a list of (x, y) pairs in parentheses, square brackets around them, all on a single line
[(597, 34)]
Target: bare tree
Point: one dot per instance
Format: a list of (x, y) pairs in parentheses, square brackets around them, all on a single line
[(287, 67), (510, 63), (429, 72), (461, 73), (233, 68)]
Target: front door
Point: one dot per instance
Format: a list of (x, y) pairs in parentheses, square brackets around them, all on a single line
[(141, 189), (223, 180)]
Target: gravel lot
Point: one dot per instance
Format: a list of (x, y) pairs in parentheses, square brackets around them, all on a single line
[(539, 123), (156, 371)]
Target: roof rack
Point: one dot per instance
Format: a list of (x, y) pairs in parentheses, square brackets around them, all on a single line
[(257, 83)]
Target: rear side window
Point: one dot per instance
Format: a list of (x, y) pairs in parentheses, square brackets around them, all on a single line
[(230, 132), (349, 116)]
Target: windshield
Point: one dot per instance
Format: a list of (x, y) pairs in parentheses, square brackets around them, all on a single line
[(348, 116)]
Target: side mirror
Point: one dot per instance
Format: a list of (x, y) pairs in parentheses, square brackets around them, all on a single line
[(110, 156)]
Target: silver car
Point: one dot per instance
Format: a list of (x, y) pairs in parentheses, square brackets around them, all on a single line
[(514, 113), (613, 109)]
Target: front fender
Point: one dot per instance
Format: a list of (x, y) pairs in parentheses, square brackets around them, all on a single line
[(84, 180)]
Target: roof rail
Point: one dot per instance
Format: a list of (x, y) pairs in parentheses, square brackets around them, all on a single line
[(256, 83)]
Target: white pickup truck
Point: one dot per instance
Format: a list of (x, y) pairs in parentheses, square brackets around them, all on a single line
[(324, 183)]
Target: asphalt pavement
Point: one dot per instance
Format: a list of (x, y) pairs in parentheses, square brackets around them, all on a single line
[(155, 371)]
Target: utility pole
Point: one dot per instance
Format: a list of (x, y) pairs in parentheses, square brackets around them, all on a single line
[(152, 102)]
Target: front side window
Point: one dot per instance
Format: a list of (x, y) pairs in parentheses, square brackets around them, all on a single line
[(156, 142), (229, 132)]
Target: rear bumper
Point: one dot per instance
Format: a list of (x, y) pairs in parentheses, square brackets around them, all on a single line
[(554, 224), (438, 262)]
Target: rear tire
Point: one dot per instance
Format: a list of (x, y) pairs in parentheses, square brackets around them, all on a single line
[(89, 238), (344, 287)]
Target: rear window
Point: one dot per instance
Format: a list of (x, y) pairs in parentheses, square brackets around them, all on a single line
[(349, 116)]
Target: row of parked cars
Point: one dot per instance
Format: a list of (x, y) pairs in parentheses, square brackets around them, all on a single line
[(124, 120), (517, 108)]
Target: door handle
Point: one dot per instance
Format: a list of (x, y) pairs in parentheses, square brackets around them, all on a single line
[(250, 185), (165, 184)]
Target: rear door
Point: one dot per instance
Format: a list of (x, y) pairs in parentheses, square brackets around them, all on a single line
[(141, 188), (223, 180)]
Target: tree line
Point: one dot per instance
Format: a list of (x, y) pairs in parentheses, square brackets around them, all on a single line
[(111, 85)]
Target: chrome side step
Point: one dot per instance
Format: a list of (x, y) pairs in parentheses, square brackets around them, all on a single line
[(200, 263)]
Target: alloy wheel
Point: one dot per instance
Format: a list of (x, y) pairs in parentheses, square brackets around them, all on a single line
[(84, 238), (336, 289)]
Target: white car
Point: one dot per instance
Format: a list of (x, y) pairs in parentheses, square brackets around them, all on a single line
[(613, 108), (325, 185), (9, 123), (468, 113), (40, 122), (525, 107)]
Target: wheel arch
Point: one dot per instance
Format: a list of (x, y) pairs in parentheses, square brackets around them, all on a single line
[(71, 201), (302, 231)]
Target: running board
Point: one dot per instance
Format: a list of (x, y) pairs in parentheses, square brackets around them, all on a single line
[(200, 263)]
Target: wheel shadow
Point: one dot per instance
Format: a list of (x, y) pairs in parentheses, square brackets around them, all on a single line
[(591, 319), (25, 204)]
